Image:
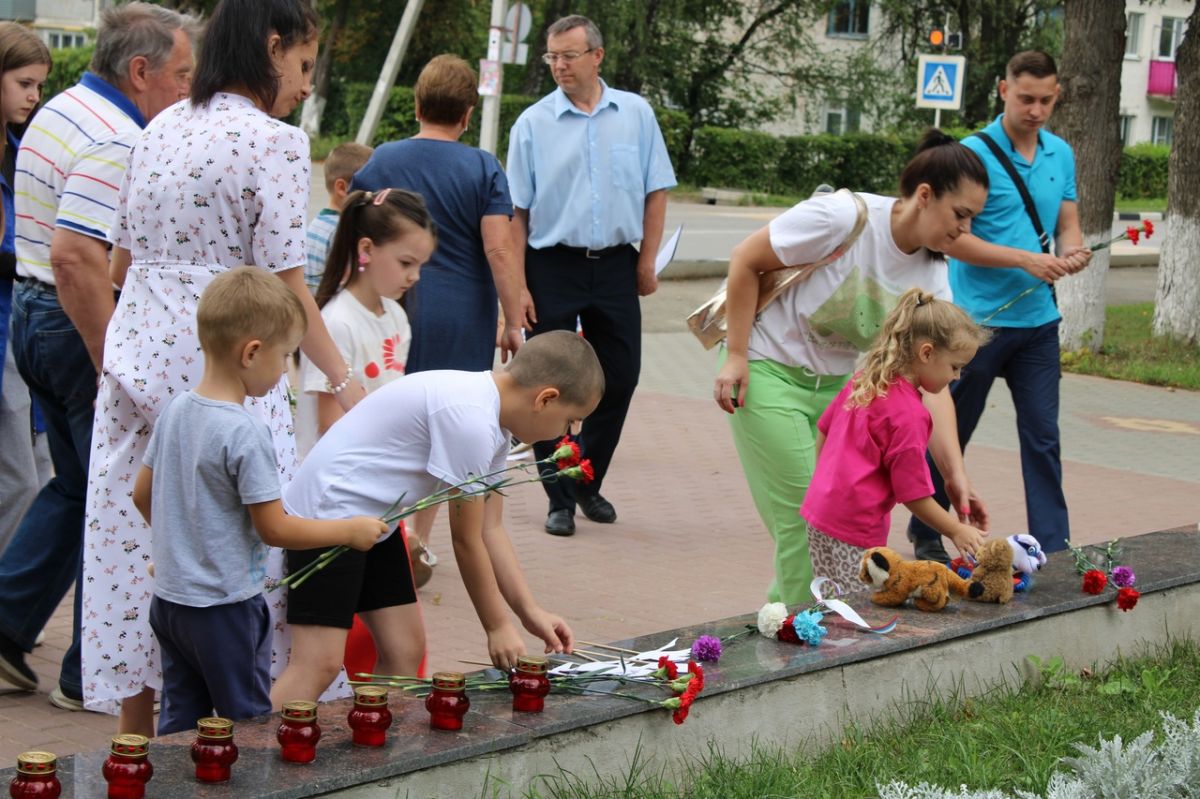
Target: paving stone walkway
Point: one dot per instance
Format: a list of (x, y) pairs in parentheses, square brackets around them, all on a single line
[(688, 546)]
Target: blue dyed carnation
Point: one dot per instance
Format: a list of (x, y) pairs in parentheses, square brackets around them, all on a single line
[(808, 627)]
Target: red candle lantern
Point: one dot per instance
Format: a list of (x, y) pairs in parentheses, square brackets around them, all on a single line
[(529, 684), (448, 703), (299, 732), (128, 769), (214, 751), (370, 717), (36, 777)]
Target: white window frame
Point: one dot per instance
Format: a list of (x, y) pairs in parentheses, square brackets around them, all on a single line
[(852, 15), (1162, 129), (1177, 25), (1126, 128), (1133, 34)]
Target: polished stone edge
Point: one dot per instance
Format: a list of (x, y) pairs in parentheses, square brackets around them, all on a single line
[(1162, 560)]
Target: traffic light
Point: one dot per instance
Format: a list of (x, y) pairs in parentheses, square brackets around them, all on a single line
[(940, 37)]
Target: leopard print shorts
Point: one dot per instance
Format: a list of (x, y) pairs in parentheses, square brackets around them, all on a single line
[(837, 560)]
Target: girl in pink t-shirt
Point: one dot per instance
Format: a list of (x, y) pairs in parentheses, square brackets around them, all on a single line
[(872, 439)]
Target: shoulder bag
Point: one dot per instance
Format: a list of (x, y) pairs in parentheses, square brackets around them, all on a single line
[(707, 322)]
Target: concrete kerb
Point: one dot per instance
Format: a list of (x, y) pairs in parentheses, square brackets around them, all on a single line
[(812, 710)]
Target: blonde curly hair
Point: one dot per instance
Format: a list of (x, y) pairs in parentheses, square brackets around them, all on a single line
[(917, 317)]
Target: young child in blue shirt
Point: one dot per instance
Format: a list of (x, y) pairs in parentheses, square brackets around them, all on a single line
[(341, 164), (209, 488)]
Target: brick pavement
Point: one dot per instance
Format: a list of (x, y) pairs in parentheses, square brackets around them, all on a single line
[(688, 547)]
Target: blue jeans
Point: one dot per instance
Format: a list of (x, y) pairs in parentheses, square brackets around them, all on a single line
[(1027, 358), (45, 555)]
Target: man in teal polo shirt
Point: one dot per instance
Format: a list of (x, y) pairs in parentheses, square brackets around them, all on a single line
[(1003, 259)]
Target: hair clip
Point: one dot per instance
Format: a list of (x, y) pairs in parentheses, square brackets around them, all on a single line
[(380, 197)]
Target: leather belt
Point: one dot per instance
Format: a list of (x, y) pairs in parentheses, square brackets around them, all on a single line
[(588, 252)]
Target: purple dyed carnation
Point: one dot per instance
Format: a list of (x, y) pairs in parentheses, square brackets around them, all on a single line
[(707, 648), (1123, 577)]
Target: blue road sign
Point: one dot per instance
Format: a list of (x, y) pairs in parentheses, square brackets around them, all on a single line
[(940, 81)]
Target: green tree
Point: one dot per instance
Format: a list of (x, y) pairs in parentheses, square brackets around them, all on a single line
[(992, 31)]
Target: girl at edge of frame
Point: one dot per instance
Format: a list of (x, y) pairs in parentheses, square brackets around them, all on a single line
[(25, 464), (780, 368), (875, 433)]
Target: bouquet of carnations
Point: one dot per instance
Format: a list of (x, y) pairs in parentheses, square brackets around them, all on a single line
[(1101, 571), (804, 627), (567, 462)]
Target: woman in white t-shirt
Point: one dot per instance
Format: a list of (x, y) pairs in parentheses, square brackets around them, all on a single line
[(782, 367), (381, 241)]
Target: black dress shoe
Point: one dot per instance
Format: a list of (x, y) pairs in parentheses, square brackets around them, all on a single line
[(931, 549), (560, 522), (597, 508), (13, 668)]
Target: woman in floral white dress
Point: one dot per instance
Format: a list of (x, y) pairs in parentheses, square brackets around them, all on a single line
[(216, 181)]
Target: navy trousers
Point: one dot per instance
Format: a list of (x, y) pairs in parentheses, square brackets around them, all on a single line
[(602, 294), (215, 661), (1027, 359)]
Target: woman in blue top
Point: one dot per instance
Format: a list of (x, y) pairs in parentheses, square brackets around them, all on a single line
[(452, 310), (24, 65)]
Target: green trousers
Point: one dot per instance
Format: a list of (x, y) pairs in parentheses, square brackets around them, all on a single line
[(775, 434)]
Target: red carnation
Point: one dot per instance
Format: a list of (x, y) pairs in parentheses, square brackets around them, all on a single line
[(1149, 226), (1133, 234), (1094, 581), (573, 458), (698, 678), (787, 633), (672, 670), (685, 704), (589, 474), (1127, 598)]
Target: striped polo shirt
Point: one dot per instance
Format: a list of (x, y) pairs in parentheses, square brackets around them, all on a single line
[(69, 168)]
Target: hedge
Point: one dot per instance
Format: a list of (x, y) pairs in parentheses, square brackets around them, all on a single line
[(1143, 172)]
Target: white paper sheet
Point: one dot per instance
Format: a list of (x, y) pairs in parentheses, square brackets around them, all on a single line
[(667, 253)]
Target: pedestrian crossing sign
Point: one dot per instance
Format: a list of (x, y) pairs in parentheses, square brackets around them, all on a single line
[(940, 81)]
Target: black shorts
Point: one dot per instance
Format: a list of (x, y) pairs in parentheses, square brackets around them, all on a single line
[(351, 583)]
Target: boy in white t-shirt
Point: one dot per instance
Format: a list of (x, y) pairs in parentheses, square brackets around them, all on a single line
[(410, 438), (211, 485)]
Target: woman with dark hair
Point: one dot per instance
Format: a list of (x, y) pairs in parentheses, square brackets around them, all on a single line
[(782, 366), (24, 467), (216, 181), (453, 309)]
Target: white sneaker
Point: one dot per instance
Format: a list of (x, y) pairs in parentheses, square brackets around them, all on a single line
[(427, 557)]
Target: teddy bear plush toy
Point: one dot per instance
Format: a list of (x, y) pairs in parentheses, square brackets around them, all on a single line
[(895, 580), (1027, 558), (991, 580)]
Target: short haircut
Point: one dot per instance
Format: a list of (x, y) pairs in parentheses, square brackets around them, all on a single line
[(943, 163), (343, 161), (136, 29), (563, 360), (1031, 62), (246, 303), (561, 26), (446, 89), (235, 46)]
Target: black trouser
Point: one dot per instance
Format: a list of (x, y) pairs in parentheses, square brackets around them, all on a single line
[(602, 294)]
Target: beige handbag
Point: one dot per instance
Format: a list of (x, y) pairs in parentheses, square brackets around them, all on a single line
[(707, 322)]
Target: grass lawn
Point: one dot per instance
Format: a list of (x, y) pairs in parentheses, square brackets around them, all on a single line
[(1129, 352), (1009, 740)]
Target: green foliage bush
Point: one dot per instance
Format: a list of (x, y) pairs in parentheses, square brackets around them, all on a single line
[(736, 159), (68, 67), (1143, 171)]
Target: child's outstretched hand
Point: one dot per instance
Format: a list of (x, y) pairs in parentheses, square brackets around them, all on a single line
[(967, 539), (551, 629), (505, 646), (363, 532)]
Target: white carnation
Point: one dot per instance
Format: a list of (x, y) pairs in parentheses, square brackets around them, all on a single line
[(770, 618)]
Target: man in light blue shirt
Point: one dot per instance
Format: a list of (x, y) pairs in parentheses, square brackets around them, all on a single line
[(588, 172), (1002, 275)]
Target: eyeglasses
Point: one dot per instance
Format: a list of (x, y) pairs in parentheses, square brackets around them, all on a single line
[(569, 57)]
